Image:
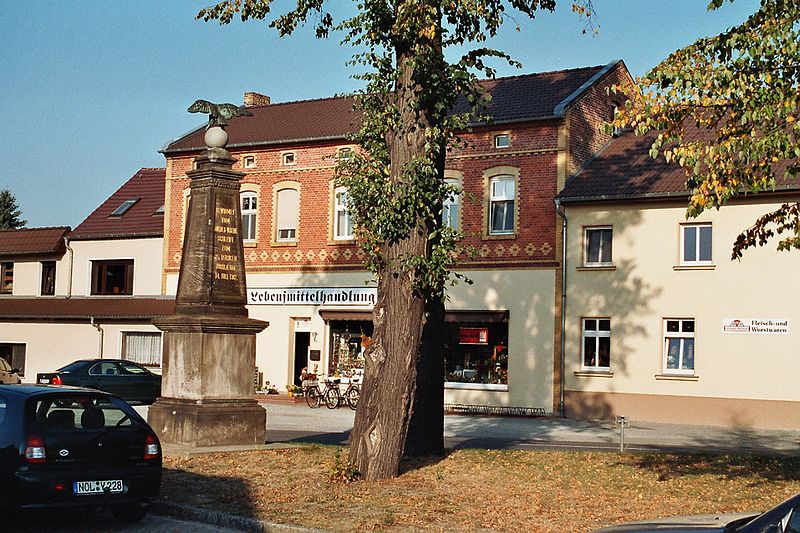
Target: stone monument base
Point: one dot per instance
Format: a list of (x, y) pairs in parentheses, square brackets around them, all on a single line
[(206, 423)]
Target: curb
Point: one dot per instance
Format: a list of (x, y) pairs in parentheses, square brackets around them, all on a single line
[(226, 520)]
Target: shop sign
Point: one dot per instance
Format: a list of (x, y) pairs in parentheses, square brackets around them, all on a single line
[(758, 326), (473, 335), (341, 296)]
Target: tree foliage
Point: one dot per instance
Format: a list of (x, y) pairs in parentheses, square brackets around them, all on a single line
[(9, 211), (396, 183), (727, 110)]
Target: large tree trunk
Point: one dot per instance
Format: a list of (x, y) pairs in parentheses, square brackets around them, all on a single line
[(390, 377)]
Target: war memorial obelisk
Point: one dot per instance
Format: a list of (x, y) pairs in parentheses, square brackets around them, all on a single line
[(209, 343)]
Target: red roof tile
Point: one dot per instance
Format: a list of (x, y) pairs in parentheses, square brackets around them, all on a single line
[(72, 309), (32, 241), (141, 220), (516, 98)]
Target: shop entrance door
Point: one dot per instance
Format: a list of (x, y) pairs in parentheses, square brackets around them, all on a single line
[(302, 340)]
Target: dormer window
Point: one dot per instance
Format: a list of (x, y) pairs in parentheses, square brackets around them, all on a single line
[(126, 205), (502, 141), (288, 158), (249, 161)]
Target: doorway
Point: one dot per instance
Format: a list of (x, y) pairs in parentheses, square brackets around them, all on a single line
[(302, 340)]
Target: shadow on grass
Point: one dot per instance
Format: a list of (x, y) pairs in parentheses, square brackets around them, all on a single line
[(210, 492), (760, 468)]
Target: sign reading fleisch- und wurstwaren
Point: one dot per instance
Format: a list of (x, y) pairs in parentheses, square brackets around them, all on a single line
[(343, 296), (759, 326)]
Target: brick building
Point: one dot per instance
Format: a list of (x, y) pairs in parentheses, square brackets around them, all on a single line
[(304, 270)]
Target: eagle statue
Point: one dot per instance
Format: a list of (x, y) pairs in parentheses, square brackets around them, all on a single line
[(218, 114)]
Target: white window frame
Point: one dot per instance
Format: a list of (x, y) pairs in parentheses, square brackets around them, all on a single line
[(496, 200), (682, 336), (595, 334), (502, 140), (345, 152), (697, 228), (340, 214), (278, 229), (288, 159), (586, 242), (249, 161), (249, 212), (451, 206)]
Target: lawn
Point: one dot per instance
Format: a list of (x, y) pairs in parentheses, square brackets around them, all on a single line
[(480, 490)]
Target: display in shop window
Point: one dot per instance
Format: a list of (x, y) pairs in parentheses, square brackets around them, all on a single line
[(349, 341), (476, 353)]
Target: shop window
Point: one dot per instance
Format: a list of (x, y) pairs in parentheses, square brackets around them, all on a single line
[(287, 202), (112, 277), (597, 246), (451, 207), (476, 352), (596, 344), (14, 354), (6, 278), (696, 244), (501, 205), (48, 287), (679, 338), (142, 347), (349, 339), (342, 225), (249, 216)]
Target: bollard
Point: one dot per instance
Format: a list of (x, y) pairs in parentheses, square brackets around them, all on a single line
[(622, 422)]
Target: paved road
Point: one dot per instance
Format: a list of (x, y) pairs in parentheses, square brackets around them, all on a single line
[(101, 522)]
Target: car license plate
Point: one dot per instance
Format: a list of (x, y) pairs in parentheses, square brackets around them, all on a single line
[(114, 486), (44, 380)]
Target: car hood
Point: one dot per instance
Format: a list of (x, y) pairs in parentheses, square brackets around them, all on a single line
[(680, 524)]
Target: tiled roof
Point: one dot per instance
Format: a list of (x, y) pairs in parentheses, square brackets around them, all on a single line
[(624, 169), (33, 241), (141, 220), (516, 98), (71, 309)]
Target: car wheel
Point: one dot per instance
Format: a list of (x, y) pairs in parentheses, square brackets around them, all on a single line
[(129, 513)]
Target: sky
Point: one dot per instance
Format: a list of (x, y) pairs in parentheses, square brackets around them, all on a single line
[(92, 90)]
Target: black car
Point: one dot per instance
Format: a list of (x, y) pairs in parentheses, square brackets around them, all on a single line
[(74, 447), (784, 518), (129, 381)]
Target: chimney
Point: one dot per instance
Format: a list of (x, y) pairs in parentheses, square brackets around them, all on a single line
[(252, 99)]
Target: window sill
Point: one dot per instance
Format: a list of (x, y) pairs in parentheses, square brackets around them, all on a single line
[(500, 237), (594, 374), (589, 268), (250, 244), (694, 267), (284, 244), (677, 377), (341, 242), (476, 386)]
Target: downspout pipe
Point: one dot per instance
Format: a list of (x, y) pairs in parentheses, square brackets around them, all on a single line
[(99, 329), (71, 262), (563, 335)]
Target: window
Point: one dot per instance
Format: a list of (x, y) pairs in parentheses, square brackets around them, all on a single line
[(349, 339), (342, 225), (112, 277), (450, 207), (6, 278), (287, 214), (345, 153), (159, 211), (48, 278), (122, 209), (288, 158), (501, 211), (249, 216), (678, 346), (476, 352), (249, 161), (142, 347), (502, 140), (15, 355), (597, 243), (596, 344), (696, 244)]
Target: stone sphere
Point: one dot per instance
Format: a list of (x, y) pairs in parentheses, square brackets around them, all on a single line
[(216, 137)]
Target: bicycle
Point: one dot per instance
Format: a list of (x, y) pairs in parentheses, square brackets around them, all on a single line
[(329, 394), (335, 397)]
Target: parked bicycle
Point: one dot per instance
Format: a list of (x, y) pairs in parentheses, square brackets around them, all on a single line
[(332, 395), (351, 394)]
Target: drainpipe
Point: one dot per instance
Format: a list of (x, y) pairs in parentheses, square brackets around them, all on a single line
[(563, 215), (99, 329), (71, 261)]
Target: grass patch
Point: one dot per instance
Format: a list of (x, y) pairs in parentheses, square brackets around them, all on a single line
[(479, 490)]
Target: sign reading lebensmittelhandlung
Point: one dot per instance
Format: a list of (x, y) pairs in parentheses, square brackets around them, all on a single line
[(759, 326), (344, 296)]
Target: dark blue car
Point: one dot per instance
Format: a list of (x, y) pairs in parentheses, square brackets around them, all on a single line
[(130, 381), (74, 447)]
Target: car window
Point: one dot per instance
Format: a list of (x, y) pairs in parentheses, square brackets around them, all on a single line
[(4, 366), (72, 367), (104, 369), (66, 413), (133, 368), (3, 409)]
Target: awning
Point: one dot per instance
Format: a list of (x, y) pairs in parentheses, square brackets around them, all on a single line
[(450, 316), (346, 314)]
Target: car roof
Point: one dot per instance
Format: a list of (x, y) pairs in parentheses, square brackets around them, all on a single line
[(42, 390)]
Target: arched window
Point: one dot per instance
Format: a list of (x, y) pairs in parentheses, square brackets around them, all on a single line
[(287, 214), (342, 225), (249, 216)]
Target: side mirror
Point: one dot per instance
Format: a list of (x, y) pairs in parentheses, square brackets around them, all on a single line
[(15, 370)]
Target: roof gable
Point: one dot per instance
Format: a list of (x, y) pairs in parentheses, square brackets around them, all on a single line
[(132, 211)]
